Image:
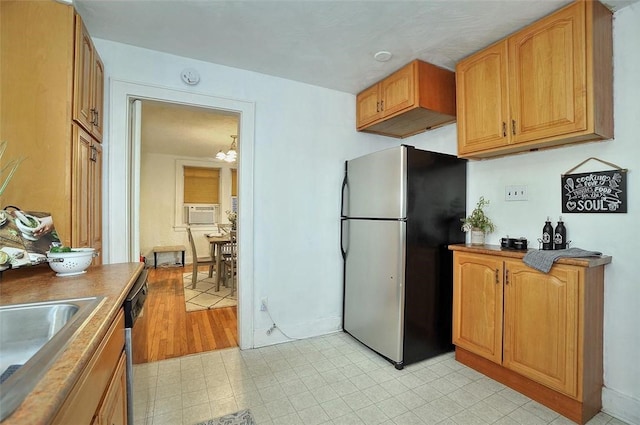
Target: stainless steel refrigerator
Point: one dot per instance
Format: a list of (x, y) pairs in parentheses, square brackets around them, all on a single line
[(401, 208)]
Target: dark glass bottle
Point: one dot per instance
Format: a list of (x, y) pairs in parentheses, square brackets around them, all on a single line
[(560, 236), (547, 235)]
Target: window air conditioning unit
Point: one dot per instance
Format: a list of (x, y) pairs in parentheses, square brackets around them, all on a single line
[(205, 214)]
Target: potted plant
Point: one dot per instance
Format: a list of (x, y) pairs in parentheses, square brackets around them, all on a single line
[(478, 223), (232, 216)]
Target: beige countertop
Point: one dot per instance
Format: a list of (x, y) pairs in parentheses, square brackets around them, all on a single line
[(519, 254), (111, 281)]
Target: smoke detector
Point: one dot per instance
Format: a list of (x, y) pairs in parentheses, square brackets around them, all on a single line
[(382, 56)]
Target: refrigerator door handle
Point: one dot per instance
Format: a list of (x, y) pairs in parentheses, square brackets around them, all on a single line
[(343, 222), (343, 191)]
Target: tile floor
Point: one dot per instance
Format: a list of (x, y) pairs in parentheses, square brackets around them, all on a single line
[(330, 380)]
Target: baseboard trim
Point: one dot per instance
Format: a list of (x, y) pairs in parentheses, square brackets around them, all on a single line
[(620, 406), (566, 406)]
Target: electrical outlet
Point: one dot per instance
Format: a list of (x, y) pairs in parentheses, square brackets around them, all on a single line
[(515, 193), (263, 304)]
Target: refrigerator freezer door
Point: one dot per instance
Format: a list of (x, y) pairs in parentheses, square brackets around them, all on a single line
[(374, 284), (376, 185)]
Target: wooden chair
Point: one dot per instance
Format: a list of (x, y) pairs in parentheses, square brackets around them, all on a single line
[(229, 254), (199, 261)]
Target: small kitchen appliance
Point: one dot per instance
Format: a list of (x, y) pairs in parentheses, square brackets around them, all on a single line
[(513, 243)]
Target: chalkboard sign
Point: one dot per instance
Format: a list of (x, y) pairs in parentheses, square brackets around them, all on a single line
[(595, 192)]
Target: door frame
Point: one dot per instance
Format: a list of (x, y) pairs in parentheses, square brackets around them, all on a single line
[(122, 229)]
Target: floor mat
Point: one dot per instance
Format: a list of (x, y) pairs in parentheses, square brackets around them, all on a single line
[(204, 296), (242, 417)]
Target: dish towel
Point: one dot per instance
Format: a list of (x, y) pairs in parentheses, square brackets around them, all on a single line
[(543, 260)]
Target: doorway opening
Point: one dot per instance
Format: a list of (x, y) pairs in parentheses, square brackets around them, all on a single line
[(184, 186), (123, 183)]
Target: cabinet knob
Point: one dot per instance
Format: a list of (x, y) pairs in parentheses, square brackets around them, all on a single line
[(513, 127), (497, 280), (504, 129), (506, 277), (382, 105), (377, 106)]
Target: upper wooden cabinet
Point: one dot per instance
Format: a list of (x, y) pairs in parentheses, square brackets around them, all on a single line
[(86, 208), (547, 85), (88, 84), (416, 98), (38, 86)]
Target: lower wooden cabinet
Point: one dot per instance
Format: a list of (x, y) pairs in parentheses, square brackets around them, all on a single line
[(477, 305), (541, 324), (99, 395), (114, 407), (538, 333)]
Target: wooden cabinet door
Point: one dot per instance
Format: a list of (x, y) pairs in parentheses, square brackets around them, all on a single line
[(477, 304), (83, 83), (483, 100), (81, 188), (398, 91), (368, 106), (95, 179), (548, 87), (97, 97), (541, 324), (113, 410)]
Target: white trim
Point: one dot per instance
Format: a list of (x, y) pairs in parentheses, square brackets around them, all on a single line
[(620, 406), (122, 234), (135, 128)]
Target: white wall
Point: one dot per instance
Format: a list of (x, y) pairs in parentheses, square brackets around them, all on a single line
[(303, 134)]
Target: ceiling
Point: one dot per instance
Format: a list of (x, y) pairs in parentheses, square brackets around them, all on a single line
[(183, 130), (321, 42)]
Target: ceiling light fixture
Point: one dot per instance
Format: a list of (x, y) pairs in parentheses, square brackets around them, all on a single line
[(382, 56), (232, 153)]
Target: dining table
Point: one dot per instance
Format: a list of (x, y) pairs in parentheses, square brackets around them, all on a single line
[(215, 243)]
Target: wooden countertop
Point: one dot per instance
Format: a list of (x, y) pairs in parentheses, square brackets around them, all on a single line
[(519, 254), (111, 281)]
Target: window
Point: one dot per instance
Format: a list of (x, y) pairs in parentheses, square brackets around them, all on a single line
[(234, 182), (201, 185)]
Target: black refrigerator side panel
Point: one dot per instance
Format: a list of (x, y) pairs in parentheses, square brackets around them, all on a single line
[(436, 201)]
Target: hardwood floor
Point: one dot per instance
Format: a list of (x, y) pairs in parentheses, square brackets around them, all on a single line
[(165, 330)]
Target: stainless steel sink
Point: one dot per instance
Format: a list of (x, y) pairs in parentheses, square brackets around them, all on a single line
[(32, 336)]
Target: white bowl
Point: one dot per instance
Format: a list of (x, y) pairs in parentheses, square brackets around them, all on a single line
[(27, 232), (71, 263)]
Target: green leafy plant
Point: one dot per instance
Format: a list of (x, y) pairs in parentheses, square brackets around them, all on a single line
[(478, 220), (233, 218), (12, 166)]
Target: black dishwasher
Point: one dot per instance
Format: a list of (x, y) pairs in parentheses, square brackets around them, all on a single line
[(133, 305)]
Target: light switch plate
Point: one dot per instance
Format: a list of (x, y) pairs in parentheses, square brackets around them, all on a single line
[(516, 193)]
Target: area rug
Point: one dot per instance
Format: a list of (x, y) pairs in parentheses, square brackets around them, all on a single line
[(242, 417), (204, 296)]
